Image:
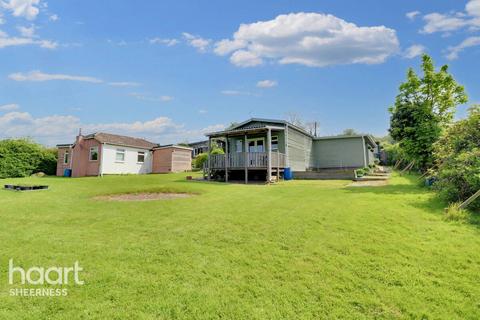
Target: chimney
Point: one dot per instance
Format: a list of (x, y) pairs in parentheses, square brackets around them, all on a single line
[(79, 136)]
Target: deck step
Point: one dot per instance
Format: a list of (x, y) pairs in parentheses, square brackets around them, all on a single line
[(327, 174)]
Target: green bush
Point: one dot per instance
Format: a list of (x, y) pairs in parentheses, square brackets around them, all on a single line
[(200, 160), (203, 157), (458, 160), (360, 172), (454, 213), (22, 157), (393, 153)]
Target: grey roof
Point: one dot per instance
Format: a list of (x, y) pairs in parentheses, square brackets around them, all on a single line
[(366, 136), (198, 143), (173, 146), (237, 128), (119, 140)]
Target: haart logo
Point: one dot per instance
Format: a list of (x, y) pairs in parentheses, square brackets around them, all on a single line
[(53, 276)]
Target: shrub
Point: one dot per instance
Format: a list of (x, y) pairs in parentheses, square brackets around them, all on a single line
[(360, 172), (393, 153), (454, 213), (377, 162), (203, 157), (458, 160), (22, 157), (200, 160)]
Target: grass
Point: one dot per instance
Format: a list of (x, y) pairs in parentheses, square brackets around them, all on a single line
[(296, 250)]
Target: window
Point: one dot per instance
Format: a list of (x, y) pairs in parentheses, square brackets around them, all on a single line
[(93, 154), (120, 155), (66, 156), (256, 145), (239, 146), (260, 147), (141, 157), (274, 143)]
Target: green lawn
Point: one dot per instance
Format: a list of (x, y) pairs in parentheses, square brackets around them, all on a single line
[(295, 250)]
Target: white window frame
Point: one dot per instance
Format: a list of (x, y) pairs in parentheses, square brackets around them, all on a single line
[(92, 150), (122, 152), (138, 154), (239, 143), (271, 143), (66, 159), (256, 144)]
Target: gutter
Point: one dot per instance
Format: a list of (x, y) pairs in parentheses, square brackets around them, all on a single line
[(364, 152)]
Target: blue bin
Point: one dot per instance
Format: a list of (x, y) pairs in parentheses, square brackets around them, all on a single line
[(288, 174), (67, 173)]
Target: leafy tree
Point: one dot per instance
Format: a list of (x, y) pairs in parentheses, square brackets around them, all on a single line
[(22, 157), (458, 159), (349, 132), (423, 108)]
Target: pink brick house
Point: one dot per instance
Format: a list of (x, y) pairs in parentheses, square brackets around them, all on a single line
[(103, 153)]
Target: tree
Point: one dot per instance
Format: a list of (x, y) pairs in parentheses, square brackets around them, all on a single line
[(22, 157), (458, 159), (311, 127), (423, 109), (349, 132)]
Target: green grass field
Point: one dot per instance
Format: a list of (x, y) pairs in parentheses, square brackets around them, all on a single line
[(295, 250)]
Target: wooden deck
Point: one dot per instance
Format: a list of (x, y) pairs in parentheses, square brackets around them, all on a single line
[(250, 160)]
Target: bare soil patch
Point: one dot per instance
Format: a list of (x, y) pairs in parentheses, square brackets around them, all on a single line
[(368, 183), (144, 196)]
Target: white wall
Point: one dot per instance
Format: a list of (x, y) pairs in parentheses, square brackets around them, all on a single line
[(109, 164)]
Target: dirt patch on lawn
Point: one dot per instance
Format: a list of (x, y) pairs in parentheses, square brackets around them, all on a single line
[(144, 196), (370, 183)]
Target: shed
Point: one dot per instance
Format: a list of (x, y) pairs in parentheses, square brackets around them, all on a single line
[(171, 158)]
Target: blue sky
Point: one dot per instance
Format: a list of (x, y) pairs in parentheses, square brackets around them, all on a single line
[(170, 71)]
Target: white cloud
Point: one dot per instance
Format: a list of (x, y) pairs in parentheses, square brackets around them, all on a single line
[(197, 42), (124, 84), (166, 98), (267, 84), (454, 51), (414, 51), (310, 39), (438, 22), (53, 17), (56, 129), (243, 58), (235, 93), (145, 97), (226, 46), (473, 8), (202, 111), (167, 42), (9, 107), (6, 41), (412, 15), (27, 32), (27, 9), (40, 76)]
